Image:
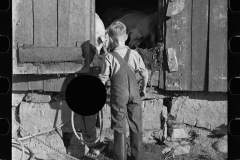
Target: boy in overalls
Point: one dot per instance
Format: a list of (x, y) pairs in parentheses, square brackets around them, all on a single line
[(120, 66)]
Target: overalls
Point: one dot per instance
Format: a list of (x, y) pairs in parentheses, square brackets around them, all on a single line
[(125, 104)]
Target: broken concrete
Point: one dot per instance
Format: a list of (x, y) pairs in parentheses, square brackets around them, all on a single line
[(200, 109), (39, 117)]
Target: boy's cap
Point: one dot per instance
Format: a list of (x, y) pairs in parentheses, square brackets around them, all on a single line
[(117, 29)]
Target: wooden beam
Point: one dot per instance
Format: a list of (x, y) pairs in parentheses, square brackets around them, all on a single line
[(20, 83), (45, 22), (218, 46), (50, 54), (178, 37), (35, 82), (199, 44)]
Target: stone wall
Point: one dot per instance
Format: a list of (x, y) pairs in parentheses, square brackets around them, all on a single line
[(39, 112)]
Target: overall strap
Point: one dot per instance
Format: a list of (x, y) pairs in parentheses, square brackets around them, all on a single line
[(126, 57), (120, 59)]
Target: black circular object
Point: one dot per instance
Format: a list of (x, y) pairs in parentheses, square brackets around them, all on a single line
[(86, 95)]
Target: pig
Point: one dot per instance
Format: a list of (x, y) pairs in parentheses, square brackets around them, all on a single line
[(99, 33), (146, 32), (90, 50), (130, 20), (114, 13)]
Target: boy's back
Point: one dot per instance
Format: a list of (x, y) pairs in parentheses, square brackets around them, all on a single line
[(135, 61)]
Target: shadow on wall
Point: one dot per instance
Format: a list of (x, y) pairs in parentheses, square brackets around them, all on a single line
[(58, 101)]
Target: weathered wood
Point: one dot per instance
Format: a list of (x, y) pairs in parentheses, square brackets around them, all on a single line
[(54, 83), (20, 83), (50, 54), (199, 44), (69, 78), (51, 68), (218, 46), (63, 22), (79, 23), (60, 84), (22, 33), (155, 79), (70, 67), (23, 21), (167, 32), (59, 68), (45, 22), (35, 82), (179, 38), (48, 83)]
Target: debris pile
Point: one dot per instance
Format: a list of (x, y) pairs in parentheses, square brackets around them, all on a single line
[(152, 58)]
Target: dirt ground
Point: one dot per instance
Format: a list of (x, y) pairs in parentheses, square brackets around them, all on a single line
[(203, 150)]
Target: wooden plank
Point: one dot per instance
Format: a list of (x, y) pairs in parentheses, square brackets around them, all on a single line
[(60, 84), (199, 44), (48, 83), (59, 68), (70, 67), (179, 38), (51, 68), (35, 82), (218, 46), (63, 22), (79, 23), (22, 33), (19, 83), (50, 54), (167, 36), (45, 22), (23, 21)]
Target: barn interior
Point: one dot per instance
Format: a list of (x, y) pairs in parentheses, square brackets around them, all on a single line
[(102, 5), (144, 6)]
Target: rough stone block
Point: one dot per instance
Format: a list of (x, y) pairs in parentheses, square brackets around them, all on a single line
[(221, 146), (177, 133), (17, 98), (38, 98), (203, 110), (38, 117), (151, 114)]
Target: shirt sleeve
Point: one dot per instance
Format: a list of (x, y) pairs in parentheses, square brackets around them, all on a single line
[(141, 66), (105, 70)]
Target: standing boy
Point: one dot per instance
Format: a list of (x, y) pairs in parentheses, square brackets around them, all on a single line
[(120, 66)]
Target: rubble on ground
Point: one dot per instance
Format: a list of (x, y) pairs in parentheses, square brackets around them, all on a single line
[(221, 145)]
